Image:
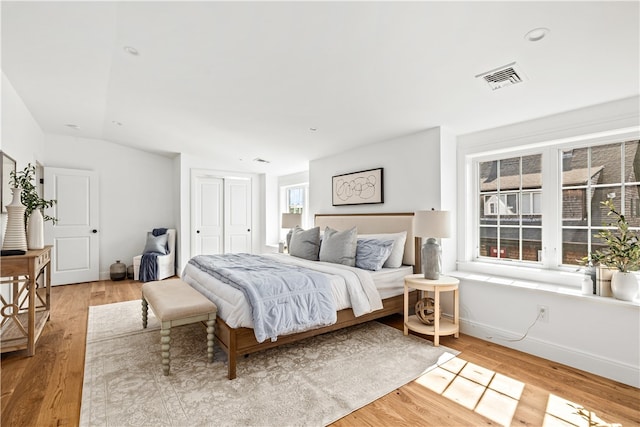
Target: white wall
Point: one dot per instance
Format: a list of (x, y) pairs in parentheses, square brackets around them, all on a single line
[(22, 138), (596, 334), (411, 174), (137, 192)]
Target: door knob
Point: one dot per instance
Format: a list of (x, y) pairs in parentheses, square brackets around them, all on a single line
[(198, 231), (94, 231)]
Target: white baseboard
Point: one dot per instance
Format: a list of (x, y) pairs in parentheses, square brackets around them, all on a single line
[(596, 364)]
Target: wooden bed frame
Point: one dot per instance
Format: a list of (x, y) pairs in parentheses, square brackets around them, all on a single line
[(238, 342)]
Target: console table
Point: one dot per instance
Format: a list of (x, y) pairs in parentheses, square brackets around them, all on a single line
[(27, 311)]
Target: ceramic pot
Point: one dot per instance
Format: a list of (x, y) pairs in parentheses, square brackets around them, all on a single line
[(624, 285), (118, 271), (15, 237), (35, 230)]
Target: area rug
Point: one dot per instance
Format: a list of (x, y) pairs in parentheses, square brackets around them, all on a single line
[(313, 382)]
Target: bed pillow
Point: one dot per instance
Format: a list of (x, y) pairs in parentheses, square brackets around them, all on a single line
[(372, 253), (156, 244), (339, 247), (305, 243), (397, 253)]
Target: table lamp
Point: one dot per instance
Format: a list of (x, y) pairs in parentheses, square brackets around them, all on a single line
[(290, 221), (431, 225)]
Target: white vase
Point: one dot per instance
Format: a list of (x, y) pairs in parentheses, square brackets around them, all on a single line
[(15, 237), (624, 285), (35, 230)]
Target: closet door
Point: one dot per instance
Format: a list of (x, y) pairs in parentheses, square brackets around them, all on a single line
[(237, 209), (207, 216)]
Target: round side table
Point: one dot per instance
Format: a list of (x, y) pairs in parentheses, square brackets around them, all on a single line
[(440, 326)]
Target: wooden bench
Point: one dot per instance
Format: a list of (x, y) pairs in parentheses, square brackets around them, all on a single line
[(175, 303)]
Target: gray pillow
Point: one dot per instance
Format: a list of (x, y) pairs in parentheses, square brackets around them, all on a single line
[(372, 253), (156, 244), (397, 253), (339, 247), (305, 243)]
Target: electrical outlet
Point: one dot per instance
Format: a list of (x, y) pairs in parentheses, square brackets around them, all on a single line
[(543, 313)]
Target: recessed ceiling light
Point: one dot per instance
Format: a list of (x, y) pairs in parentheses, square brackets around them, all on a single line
[(131, 50), (117, 123), (259, 160), (313, 129), (72, 126), (536, 34)]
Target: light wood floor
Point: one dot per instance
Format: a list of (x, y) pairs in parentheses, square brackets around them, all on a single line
[(46, 389)]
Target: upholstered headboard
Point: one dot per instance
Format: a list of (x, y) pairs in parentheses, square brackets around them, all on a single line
[(376, 223)]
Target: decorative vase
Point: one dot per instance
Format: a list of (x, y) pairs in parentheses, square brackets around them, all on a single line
[(624, 285), (130, 272), (118, 271), (35, 230), (15, 238)]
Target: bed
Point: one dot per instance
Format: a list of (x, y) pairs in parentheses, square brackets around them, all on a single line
[(234, 330)]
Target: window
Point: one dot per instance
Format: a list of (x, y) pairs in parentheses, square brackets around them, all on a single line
[(296, 199), (590, 175), (549, 202), (510, 220)]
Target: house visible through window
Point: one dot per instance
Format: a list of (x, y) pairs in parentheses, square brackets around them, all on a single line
[(591, 175), (510, 221), (512, 202)]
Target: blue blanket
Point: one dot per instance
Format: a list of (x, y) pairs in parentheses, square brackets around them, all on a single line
[(283, 298), (149, 261)]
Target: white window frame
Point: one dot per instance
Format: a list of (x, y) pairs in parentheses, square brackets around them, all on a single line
[(549, 270), (284, 208)]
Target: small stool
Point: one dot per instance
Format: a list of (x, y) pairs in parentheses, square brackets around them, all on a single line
[(175, 303)]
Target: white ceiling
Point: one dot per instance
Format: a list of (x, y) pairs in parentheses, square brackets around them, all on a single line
[(240, 80)]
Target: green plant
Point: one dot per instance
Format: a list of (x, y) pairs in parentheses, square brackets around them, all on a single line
[(622, 249), (25, 180)]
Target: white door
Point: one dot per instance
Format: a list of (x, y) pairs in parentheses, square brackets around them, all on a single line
[(207, 215), (75, 236), (237, 210)]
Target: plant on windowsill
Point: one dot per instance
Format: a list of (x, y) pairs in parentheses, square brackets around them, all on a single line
[(622, 252), (34, 205)]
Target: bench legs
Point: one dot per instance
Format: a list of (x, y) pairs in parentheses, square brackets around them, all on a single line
[(145, 309), (165, 333)]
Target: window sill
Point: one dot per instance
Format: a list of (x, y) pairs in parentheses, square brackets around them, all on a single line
[(538, 286)]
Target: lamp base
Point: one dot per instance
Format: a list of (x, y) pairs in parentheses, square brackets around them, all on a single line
[(431, 260)]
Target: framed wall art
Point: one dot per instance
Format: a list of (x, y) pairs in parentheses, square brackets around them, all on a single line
[(8, 165), (358, 188)]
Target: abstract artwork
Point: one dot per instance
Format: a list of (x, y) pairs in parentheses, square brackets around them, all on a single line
[(358, 188)]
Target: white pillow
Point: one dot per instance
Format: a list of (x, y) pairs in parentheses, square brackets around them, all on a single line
[(397, 253)]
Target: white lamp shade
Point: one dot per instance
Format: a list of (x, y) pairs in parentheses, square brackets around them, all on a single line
[(432, 224), (290, 220)]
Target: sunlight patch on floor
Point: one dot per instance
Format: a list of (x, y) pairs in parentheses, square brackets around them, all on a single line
[(562, 412), (496, 396)]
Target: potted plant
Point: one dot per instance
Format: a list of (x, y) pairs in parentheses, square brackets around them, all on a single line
[(622, 253), (34, 205)]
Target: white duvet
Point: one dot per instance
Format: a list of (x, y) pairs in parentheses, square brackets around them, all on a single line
[(351, 288)]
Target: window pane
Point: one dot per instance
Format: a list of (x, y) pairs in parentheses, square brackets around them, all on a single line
[(510, 174), (527, 209), (512, 204), (488, 242), (574, 207), (632, 205), (574, 245), (532, 244), (575, 167), (532, 171), (509, 243), (488, 208), (537, 203), (488, 174), (598, 211), (607, 159)]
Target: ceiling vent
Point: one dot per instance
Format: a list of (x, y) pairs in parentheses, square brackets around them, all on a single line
[(501, 77)]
